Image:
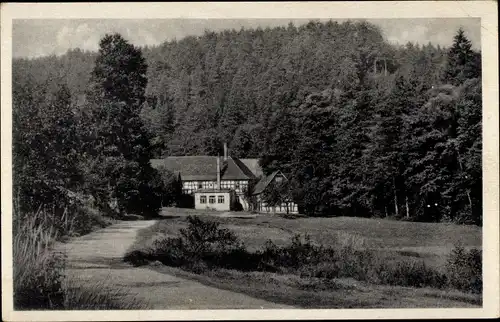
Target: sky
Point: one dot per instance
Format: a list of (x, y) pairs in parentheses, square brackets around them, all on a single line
[(37, 37)]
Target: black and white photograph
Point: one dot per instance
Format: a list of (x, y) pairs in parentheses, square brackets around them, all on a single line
[(274, 164)]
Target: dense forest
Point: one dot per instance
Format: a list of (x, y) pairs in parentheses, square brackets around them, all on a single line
[(360, 126)]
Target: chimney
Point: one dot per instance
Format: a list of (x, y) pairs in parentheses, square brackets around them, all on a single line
[(218, 172), (225, 151)]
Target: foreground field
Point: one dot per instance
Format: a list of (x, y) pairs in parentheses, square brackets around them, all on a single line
[(429, 241), (310, 293), (395, 241)]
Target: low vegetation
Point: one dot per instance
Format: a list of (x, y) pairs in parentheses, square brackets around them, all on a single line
[(40, 282), (97, 296), (38, 272), (205, 248)]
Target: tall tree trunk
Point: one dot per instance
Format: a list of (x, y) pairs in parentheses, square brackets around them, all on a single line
[(396, 209), (407, 207), (466, 190), (470, 200)]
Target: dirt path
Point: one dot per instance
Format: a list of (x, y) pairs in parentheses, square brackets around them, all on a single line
[(96, 259)]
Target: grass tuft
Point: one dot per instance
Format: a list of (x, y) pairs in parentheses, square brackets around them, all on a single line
[(97, 296), (37, 270)]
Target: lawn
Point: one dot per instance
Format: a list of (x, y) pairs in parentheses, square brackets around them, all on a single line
[(430, 242), (378, 233)]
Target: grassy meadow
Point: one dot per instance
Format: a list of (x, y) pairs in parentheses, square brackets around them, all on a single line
[(409, 259)]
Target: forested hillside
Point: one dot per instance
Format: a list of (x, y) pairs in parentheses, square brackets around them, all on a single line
[(362, 127)]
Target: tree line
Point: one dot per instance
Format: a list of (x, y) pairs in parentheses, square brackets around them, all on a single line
[(65, 152), (362, 127)]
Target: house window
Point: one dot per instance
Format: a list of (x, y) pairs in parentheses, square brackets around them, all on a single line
[(211, 199), (200, 185), (237, 186), (203, 199), (220, 199)]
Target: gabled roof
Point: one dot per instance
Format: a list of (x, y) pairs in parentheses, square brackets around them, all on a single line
[(265, 181), (253, 166), (190, 167), (204, 168), (234, 169)]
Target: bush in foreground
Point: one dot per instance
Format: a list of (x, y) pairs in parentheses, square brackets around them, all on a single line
[(202, 244), (464, 270)]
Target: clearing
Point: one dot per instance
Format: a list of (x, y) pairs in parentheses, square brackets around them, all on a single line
[(430, 241), (408, 240)]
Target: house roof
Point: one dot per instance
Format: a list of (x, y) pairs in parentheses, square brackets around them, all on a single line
[(201, 168), (234, 169), (190, 167), (253, 166), (264, 182)]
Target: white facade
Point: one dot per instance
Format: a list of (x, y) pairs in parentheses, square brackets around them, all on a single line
[(284, 208), (217, 200)]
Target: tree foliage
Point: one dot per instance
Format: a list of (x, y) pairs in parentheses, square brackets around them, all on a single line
[(361, 127), (118, 138)]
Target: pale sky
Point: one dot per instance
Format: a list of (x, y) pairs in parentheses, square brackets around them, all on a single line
[(37, 37)]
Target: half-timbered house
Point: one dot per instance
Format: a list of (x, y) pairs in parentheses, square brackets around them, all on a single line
[(216, 182)]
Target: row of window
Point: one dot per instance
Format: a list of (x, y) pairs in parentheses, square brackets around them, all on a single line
[(225, 184), (211, 199), (292, 207), (199, 184), (233, 185)]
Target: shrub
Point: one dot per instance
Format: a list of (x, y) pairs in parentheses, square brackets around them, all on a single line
[(137, 257), (205, 236), (73, 216), (284, 259), (409, 273), (347, 258), (202, 241), (464, 269)]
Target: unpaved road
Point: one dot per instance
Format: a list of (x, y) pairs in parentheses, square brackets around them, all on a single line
[(96, 259)]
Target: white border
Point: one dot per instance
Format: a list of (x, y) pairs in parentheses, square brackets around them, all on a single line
[(486, 10)]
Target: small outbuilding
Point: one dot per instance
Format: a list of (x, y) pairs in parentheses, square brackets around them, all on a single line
[(218, 199)]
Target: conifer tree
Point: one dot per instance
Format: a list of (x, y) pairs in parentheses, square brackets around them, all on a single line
[(462, 62), (118, 140)]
